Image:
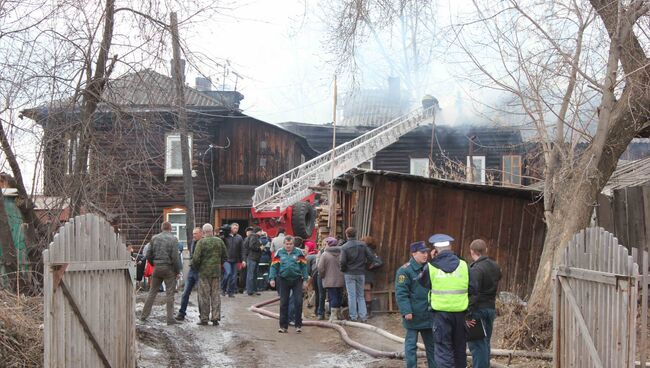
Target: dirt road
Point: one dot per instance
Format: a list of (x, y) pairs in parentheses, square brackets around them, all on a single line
[(246, 339)]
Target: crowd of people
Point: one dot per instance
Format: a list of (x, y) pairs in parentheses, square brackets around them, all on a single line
[(448, 302)]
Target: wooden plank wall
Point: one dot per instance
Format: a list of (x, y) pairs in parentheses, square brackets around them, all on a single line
[(406, 211), (594, 303), (98, 277), (133, 152)]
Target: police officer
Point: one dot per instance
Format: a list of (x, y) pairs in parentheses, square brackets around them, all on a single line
[(413, 303), (447, 278)]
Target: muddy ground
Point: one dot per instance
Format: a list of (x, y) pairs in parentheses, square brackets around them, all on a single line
[(247, 339)]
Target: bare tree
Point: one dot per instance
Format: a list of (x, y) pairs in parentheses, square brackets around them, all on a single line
[(579, 71), (403, 34)]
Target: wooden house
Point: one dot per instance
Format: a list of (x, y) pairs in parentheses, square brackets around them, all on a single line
[(498, 154), (135, 157)]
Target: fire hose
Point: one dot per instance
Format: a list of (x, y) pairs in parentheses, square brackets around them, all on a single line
[(258, 308)]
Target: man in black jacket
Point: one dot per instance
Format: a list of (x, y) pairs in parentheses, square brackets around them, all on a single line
[(236, 253), (253, 254), (484, 275), (355, 256)]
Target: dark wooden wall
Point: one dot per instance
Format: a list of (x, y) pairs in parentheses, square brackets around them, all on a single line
[(129, 164), (405, 211), (452, 144)]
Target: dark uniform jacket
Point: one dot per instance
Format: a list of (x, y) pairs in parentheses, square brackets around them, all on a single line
[(485, 275), (235, 247), (412, 298)]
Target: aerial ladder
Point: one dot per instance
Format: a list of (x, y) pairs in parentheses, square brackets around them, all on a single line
[(288, 200)]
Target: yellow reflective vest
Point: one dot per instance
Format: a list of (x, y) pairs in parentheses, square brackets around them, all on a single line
[(449, 291)]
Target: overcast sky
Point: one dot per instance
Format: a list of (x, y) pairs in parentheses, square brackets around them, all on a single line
[(277, 47)]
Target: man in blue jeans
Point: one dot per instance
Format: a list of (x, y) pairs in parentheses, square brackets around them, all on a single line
[(253, 254), (355, 256), (484, 275), (236, 253), (192, 277)]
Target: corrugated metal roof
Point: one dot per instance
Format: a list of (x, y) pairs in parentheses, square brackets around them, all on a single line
[(628, 174), (150, 88)]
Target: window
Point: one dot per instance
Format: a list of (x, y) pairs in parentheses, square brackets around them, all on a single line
[(72, 149), (177, 217), (420, 166), (478, 169), (173, 161), (512, 169)]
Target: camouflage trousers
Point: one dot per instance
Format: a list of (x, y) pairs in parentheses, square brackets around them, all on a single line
[(209, 298)]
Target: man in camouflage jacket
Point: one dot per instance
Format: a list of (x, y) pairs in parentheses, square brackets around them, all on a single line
[(208, 257)]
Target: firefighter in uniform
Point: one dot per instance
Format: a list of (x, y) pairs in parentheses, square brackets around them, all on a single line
[(413, 303), (447, 278)]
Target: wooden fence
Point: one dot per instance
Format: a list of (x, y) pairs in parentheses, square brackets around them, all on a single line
[(89, 297), (595, 303)]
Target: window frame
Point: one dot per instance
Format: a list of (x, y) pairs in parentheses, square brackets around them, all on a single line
[(169, 139), (507, 177), (413, 160), (482, 170)]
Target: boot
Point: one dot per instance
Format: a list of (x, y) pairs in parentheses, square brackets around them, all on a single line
[(334, 314)]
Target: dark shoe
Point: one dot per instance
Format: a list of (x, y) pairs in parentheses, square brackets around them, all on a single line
[(298, 330), (231, 295), (282, 330), (215, 322), (251, 294), (258, 293), (202, 323), (172, 322), (180, 317)]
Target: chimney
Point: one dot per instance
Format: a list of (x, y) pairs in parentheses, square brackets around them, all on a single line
[(393, 89), (203, 84), (173, 74)]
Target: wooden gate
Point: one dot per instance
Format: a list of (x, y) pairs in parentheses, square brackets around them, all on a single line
[(89, 297), (594, 303)]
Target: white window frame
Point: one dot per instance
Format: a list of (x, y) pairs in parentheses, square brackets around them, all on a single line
[(71, 152), (176, 227), (412, 166), (171, 137), (482, 169)]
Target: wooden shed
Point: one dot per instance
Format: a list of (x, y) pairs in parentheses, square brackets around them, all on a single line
[(398, 209)]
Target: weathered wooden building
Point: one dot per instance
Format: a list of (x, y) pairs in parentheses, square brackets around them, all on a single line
[(135, 158), (498, 154), (398, 209)]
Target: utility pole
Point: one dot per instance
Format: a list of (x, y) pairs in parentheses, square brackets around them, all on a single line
[(332, 201), (183, 129)]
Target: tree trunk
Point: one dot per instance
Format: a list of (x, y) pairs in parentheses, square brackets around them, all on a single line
[(6, 240), (91, 97)]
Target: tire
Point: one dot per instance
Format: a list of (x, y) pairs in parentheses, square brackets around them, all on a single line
[(303, 219)]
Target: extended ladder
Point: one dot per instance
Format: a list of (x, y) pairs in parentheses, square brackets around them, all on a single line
[(292, 186)]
